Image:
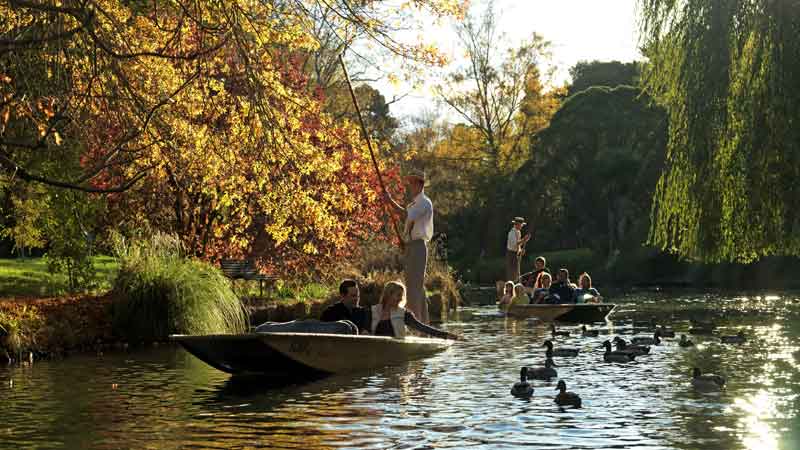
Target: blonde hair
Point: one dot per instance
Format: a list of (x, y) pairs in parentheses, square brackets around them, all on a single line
[(390, 290), (588, 278), (519, 289)]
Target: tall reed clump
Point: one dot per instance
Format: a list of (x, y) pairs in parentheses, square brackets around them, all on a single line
[(160, 291)]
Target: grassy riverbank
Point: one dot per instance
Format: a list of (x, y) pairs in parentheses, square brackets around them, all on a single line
[(36, 325), (29, 277)]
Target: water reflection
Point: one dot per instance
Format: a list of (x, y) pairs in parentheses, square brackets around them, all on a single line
[(164, 398)]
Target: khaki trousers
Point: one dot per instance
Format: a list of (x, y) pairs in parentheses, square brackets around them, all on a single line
[(512, 266), (416, 259)]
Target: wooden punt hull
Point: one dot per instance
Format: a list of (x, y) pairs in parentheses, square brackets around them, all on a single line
[(570, 313), (305, 354)]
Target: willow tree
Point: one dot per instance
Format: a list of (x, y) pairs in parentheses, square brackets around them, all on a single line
[(728, 74)]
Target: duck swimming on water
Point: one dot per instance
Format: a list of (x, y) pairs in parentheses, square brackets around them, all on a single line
[(544, 373), (564, 398), (666, 332), (522, 389), (685, 342), (706, 382), (655, 340), (620, 357), (561, 351), (737, 338), (636, 350)]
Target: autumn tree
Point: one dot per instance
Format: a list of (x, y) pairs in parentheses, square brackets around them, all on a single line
[(499, 95), (191, 117), (727, 73)]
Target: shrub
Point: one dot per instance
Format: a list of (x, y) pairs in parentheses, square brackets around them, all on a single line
[(159, 291)]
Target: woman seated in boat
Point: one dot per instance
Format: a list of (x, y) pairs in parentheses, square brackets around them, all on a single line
[(585, 292), (390, 318), (520, 296), (540, 293), (508, 294)]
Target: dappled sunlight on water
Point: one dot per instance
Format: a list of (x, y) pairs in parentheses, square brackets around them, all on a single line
[(164, 398)]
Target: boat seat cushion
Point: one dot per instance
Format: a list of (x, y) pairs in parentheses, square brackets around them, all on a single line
[(309, 326)]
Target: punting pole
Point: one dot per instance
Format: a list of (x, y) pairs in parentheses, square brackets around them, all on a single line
[(369, 143)]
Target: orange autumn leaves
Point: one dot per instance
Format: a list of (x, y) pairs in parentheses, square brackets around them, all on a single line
[(192, 120)]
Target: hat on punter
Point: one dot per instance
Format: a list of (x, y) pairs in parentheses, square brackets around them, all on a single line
[(519, 220), (415, 174)]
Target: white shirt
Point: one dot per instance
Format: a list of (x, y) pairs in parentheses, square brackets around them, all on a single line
[(514, 236), (420, 212)]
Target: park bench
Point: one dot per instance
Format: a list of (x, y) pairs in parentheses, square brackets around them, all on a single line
[(245, 269)]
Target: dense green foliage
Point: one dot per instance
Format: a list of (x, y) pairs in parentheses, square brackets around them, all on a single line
[(728, 74), (586, 74), (593, 171), (159, 292)]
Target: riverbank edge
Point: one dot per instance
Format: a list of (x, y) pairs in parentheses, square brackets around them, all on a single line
[(51, 328)]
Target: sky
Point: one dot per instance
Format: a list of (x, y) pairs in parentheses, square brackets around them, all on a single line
[(579, 30)]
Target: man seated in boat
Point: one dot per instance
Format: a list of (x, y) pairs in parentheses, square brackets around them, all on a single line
[(539, 294), (533, 280), (585, 292), (562, 291), (390, 318), (347, 307)]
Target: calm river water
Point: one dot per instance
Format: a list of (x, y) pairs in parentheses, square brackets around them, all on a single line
[(164, 398)]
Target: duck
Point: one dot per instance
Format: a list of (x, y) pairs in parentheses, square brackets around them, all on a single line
[(585, 332), (637, 350), (737, 338), (522, 389), (561, 351), (706, 382), (666, 332), (685, 342), (655, 340), (544, 373), (556, 333), (564, 398), (621, 357), (702, 327)]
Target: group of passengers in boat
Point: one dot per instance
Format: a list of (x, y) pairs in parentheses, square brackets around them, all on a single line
[(538, 287), (387, 318)]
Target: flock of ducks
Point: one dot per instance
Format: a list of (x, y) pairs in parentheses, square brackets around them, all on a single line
[(624, 352)]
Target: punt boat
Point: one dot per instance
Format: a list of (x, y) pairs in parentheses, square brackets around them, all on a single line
[(303, 355), (568, 313)]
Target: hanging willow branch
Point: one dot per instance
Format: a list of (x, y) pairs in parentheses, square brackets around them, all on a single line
[(728, 74)]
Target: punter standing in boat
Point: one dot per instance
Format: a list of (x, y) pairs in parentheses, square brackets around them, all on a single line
[(417, 233), (514, 248)]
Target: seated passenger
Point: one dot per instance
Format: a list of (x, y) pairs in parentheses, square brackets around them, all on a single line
[(389, 318), (520, 297), (347, 307), (585, 292), (508, 294), (533, 279), (540, 293), (562, 289)]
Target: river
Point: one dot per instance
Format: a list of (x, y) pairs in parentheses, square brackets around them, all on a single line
[(163, 398)]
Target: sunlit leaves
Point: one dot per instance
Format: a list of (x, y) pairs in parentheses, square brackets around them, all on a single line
[(727, 73)]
